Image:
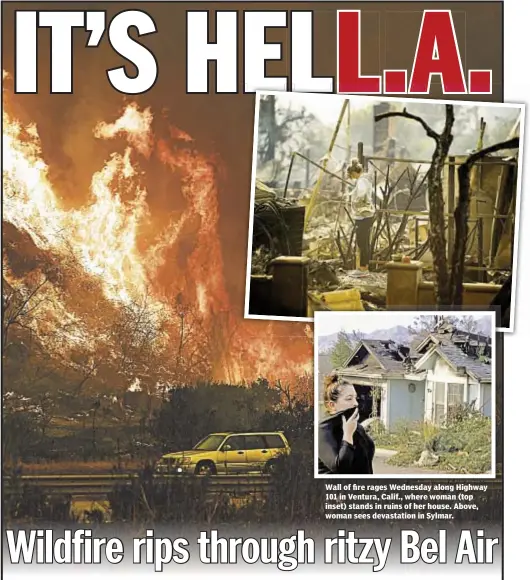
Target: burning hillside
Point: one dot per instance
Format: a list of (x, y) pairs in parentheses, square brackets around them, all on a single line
[(112, 292)]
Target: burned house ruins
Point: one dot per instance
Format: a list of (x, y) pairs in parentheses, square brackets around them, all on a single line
[(304, 254)]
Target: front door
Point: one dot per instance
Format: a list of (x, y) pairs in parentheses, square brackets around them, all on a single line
[(233, 456), (365, 401), (258, 454)]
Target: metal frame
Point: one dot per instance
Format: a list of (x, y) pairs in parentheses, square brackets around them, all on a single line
[(369, 160)]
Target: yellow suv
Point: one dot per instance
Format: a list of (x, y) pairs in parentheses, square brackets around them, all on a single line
[(228, 453)]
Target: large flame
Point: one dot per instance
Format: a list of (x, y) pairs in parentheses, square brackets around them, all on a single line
[(106, 238), (103, 234)]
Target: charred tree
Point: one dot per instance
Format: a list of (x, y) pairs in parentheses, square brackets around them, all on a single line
[(276, 124), (462, 215), (20, 306), (269, 124), (437, 239)]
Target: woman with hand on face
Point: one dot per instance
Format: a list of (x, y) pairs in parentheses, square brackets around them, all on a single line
[(343, 444)]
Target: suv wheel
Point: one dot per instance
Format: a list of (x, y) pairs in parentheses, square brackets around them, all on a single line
[(205, 468), (270, 467)]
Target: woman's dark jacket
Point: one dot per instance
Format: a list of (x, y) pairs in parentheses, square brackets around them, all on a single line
[(338, 456)]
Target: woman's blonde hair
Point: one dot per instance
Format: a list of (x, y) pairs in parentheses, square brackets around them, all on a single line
[(332, 389), (355, 166)]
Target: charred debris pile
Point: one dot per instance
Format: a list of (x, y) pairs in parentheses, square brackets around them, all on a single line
[(316, 222)]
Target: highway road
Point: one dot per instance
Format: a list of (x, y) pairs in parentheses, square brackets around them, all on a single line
[(98, 486), (95, 487)]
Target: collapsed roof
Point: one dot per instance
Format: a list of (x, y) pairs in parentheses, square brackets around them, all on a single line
[(468, 353)]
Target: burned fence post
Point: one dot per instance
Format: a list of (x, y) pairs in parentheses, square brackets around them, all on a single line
[(360, 155), (291, 163), (307, 168), (480, 244)]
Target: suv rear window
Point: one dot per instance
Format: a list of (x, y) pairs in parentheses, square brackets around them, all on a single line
[(274, 442)]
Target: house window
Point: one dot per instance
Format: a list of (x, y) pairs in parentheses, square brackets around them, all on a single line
[(448, 397), (455, 398)]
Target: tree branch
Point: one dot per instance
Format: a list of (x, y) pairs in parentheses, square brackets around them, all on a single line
[(430, 132), (291, 119), (449, 122), (478, 155)]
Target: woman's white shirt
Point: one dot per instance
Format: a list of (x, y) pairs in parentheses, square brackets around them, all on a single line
[(361, 202)]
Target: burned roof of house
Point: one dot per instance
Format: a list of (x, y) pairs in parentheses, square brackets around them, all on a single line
[(457, 336), (387, 356), (459, 359), (469, 352)]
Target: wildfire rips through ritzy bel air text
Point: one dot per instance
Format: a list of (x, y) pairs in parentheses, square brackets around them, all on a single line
[(44, 547), (437, 54)]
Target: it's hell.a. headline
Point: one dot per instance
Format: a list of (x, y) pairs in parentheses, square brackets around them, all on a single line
[(437, 54), (80, 547)]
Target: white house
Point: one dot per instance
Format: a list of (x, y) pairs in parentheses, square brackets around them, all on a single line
[(423, 382)]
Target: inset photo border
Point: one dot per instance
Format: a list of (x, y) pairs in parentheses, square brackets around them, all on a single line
[(346, 216), (405, 395)]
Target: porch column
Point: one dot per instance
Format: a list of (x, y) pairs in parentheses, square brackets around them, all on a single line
[(385, 406), (289, 286), (429, 402), (402, 285), (446, 398)]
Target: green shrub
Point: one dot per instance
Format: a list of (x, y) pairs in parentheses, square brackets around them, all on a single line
[(463, 444)]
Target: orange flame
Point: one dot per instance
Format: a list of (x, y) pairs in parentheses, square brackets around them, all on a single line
[(134, 124), (104, 234)]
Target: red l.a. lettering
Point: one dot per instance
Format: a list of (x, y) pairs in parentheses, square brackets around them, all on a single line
[(349, 56), (437, 53)]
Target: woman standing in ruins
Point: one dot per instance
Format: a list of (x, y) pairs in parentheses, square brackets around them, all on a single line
[(343, 444), (362, 206)]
